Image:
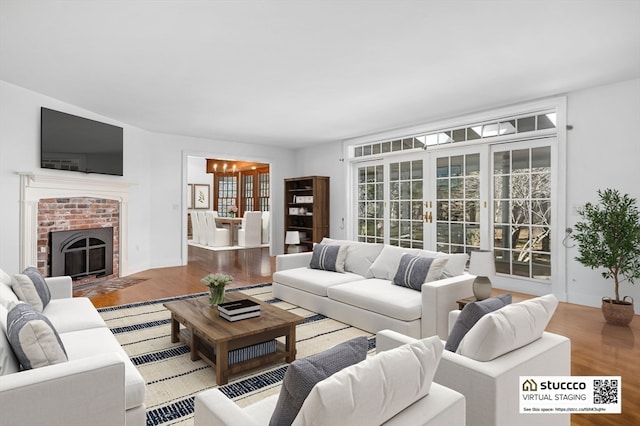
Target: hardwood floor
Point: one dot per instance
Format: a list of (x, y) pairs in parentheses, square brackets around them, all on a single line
[(597, 349), (252, 266)]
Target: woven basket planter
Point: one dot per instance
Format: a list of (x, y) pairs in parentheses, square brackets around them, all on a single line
[(617, 313)]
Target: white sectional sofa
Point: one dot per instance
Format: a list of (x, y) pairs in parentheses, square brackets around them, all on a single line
[(364, 294), (394, 387), (98, 385)]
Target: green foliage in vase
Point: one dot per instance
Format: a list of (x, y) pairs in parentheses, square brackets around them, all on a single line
[(609, 237)]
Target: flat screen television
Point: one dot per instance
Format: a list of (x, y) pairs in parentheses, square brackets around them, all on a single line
[(69, 142)]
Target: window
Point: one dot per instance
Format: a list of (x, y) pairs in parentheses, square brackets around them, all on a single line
[(264, 192), (458, 203), (227, 194), (492, 129), (522, 212), (247, 192), (371, 204), (405, 195)]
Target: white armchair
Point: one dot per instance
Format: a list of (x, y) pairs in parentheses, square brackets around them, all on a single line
[(250, 233), (216, 236), (491, 388)]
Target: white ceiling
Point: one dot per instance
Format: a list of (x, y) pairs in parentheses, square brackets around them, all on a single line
[(296, 72)]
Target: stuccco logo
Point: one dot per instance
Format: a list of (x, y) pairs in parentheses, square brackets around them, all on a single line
[(530, 385), (550, 385)]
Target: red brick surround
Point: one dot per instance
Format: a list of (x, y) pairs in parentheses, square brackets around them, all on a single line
[(66, 214)]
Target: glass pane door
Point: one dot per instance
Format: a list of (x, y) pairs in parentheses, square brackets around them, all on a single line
[(370, 203), (522, 210), (405, 204), (464, 199), (458, 211)]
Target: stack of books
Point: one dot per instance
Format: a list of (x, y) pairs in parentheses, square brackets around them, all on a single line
[(239, 310)]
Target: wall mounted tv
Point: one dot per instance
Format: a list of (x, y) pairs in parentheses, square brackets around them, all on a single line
[(69, 142)]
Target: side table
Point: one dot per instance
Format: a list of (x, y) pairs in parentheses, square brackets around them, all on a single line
[(463, 302)]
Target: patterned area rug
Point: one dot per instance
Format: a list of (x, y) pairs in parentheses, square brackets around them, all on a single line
[(173, 380), (96, 288)]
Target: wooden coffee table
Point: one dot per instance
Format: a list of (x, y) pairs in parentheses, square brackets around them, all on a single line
[(211, 337)]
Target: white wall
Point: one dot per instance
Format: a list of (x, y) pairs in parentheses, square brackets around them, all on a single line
[(603, 151), (326, 160), (197, 174), (156, 164)]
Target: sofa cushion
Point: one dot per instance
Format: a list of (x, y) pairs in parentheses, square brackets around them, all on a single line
[(33, 338), (303, 374), (508, 328), (71, 314), (314, 281), (85, 343), (7, 295), (5, 278), (470, 315), (360, 255), (30, 287), (8, 361), (380, 296), (456, 263), (376, 389), (386, 264), (328, 257)]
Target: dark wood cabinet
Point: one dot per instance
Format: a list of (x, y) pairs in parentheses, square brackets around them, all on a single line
[(306, 209)]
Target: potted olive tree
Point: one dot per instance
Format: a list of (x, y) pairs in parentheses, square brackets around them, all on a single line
[(609, 238)]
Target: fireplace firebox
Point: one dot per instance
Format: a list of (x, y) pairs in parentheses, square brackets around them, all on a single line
[(83, 252)]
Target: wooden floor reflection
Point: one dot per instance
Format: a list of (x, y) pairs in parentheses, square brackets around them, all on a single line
[(248, 266)]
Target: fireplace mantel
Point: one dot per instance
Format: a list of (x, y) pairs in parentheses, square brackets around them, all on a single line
[(36, 186)]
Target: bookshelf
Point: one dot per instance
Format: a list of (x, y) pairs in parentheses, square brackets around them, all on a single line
[(306, 209)]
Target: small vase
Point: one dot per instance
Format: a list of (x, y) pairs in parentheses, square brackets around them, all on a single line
[(216, 295)]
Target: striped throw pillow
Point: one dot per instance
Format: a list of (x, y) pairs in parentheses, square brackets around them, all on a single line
[(33, 338), (328, 257), (412, 271)]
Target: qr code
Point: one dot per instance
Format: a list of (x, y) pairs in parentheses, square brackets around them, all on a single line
[(605, 391)]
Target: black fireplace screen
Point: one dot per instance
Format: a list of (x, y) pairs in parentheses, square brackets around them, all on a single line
[(82, 252)]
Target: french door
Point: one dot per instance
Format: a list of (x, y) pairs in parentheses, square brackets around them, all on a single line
[(459, 196), (390, 202), (490, 197), (422, 201)]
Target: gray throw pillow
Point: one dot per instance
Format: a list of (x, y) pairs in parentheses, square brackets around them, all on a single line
[(33, 338), (303, 374), (470, 315), (30, 287), (328, 257), (412, 271)]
